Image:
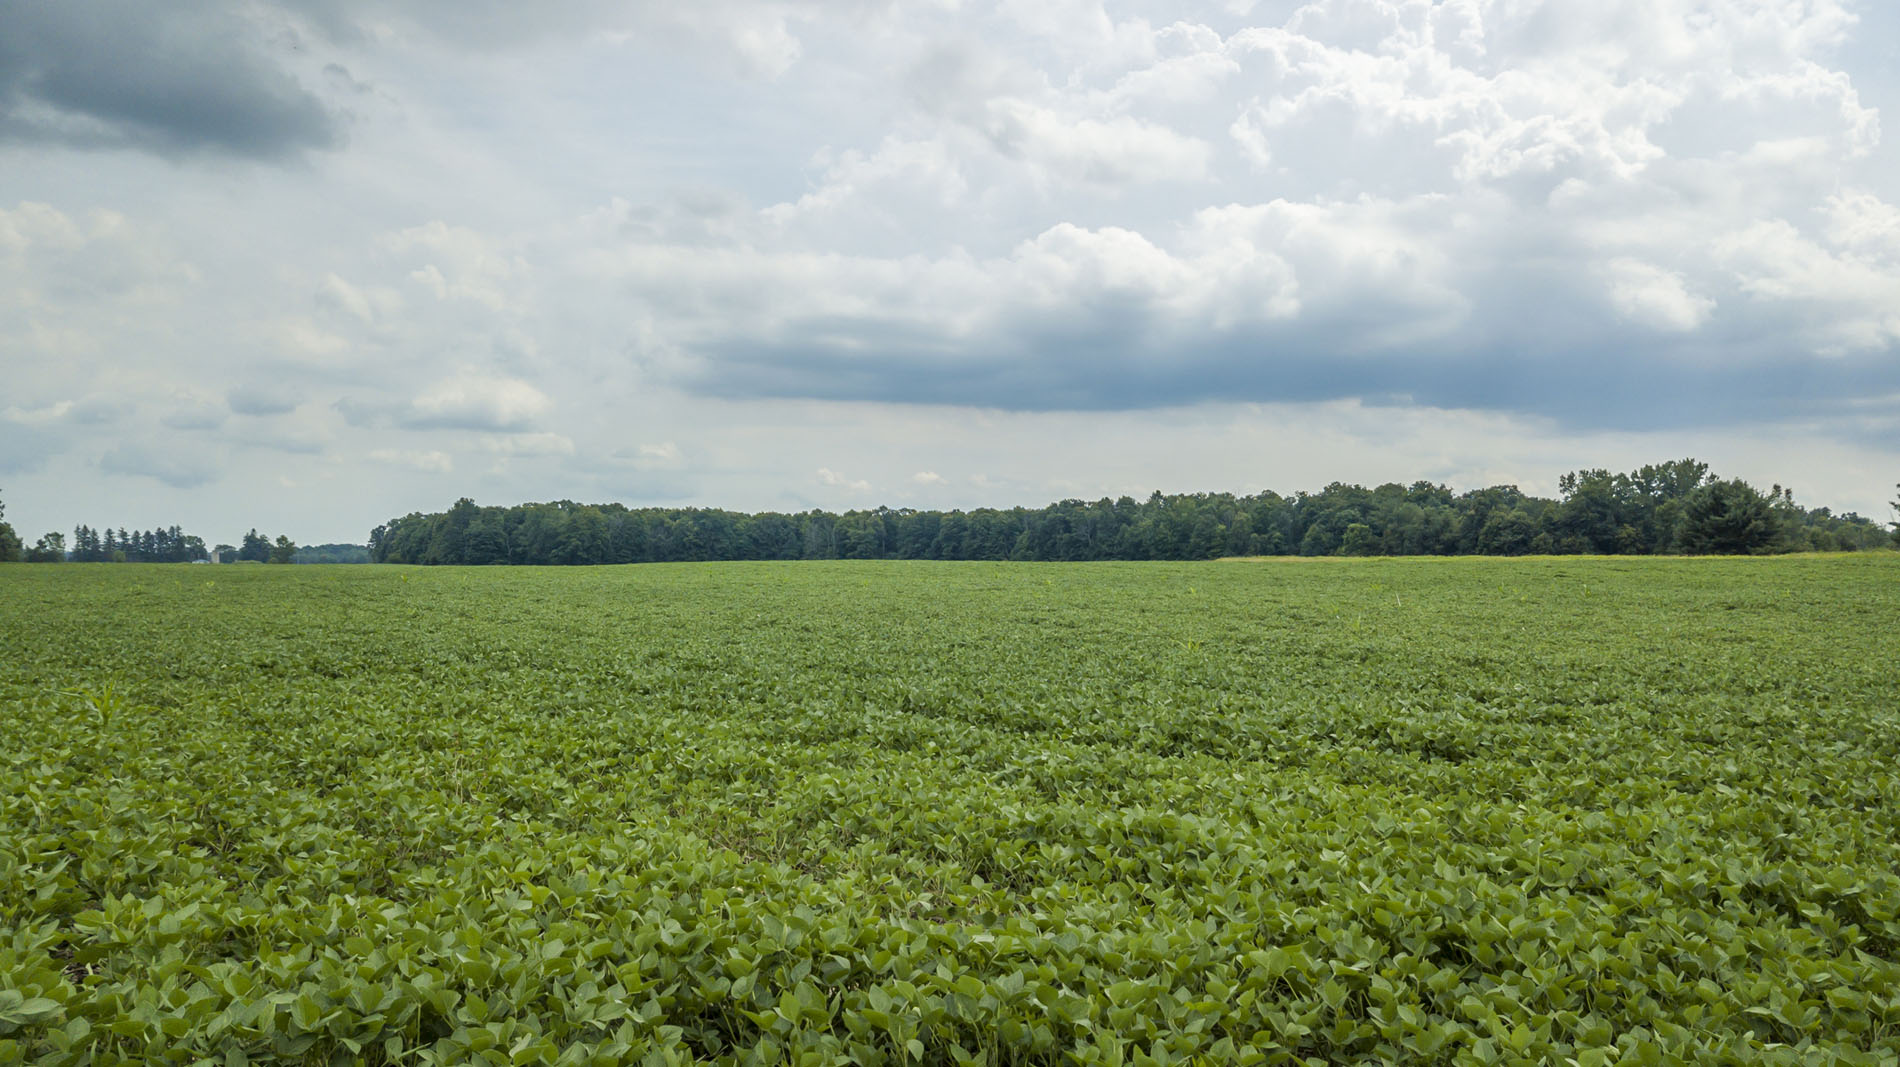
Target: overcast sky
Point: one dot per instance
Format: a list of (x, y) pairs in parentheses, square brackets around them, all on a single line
[(308, 265)]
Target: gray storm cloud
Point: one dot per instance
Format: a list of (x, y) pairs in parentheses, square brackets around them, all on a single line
[(172, 79)]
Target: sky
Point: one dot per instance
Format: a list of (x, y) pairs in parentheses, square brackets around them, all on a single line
[(307, 265)]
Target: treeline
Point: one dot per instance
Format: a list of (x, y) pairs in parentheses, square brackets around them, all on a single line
[(165, 545), (331, 554), (170, 545), (9, 541), (1676, 507), (258, 549)]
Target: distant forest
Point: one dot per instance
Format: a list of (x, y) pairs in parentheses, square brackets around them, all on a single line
[(1676, 507), (162, 545), (331, 554)]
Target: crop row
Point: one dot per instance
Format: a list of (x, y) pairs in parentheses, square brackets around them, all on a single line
[(1465, 812)]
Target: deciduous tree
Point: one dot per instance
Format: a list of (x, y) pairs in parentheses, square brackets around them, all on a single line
[(50, 548), (9, 541)]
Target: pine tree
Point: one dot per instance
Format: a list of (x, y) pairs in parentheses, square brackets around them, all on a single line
[(256, 547)]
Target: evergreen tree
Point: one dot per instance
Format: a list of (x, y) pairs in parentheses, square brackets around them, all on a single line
[(1728, 518), (256, 547)]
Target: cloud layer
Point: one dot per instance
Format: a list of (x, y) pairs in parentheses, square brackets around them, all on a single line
[(556, 250), (177, 78)]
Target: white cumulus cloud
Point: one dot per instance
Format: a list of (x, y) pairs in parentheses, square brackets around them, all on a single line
[(1650, 296), (476, 401), (829, 477)]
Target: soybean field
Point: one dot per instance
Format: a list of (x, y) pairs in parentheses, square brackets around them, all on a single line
[(1575, 811)]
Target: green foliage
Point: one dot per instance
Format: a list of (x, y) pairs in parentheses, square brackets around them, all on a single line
[(1507, 533), (1588, 811), (165, 545), (171, 545), (255, 549), (1728, 518), (284, 550), (9, 541), (1639, 513), (332, 554), (50, 548)]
